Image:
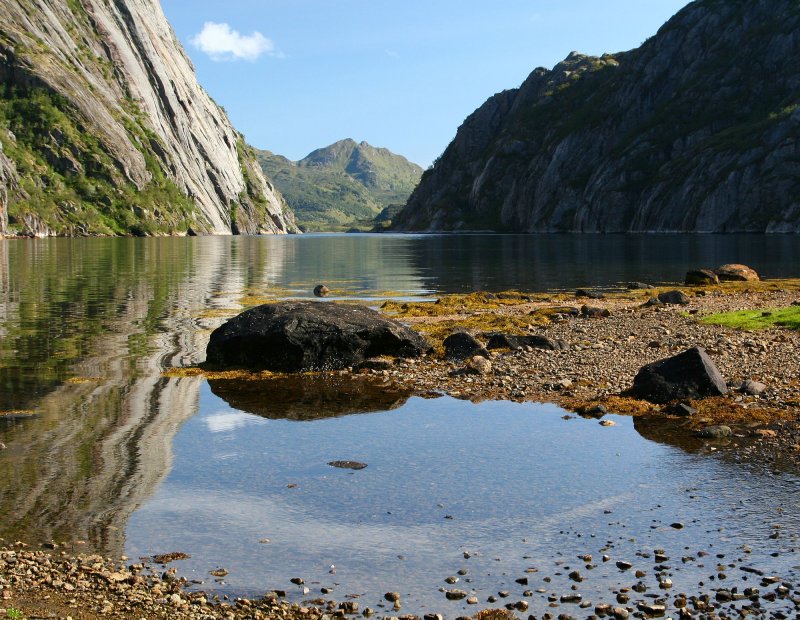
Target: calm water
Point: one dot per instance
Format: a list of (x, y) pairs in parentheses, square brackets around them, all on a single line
[(102, 449)]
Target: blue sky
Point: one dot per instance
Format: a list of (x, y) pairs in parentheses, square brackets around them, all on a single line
[(295, 75)]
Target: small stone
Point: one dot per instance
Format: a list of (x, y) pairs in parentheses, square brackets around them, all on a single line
[(347, 465), (451, 580), (392, 597), (715, 432), (624, 565), (753, 388), (620, 613), (320, 290), (479, 365), (349, 607), (472, 600), (455, 595)]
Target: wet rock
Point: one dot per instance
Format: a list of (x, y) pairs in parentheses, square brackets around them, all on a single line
[(571, 598), (620, 613), (592, 411), (736, 273), (461, 346), (451, 580), (624, 565), (349, 607), (348, 464), (701, 277), (472, 600), (320, 290), (675, 298), (521, 605), (509, 341), (652, 609), (691, 374), (719, 431), (455, 594), (295, 336), (753, 388), (392, 597)]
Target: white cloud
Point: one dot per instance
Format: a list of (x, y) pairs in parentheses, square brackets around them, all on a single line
[(221, 42)]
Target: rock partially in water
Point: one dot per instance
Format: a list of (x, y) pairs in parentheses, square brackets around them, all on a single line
[(320, 290), (691, 374), (715, 432), (295, 336), (736, 273), (701, 277), (348, 464), (461, 346)]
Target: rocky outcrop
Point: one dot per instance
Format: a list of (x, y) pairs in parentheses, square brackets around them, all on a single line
[(301, 336), (691, 374), (697, 130), (110, 132)]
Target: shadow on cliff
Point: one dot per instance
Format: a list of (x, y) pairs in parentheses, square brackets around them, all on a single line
[(305, 398)]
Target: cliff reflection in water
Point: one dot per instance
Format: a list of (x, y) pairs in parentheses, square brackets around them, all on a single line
[(89, 325)]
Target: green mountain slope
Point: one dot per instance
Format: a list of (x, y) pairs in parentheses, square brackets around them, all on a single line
[(342, 186), (697, 130)]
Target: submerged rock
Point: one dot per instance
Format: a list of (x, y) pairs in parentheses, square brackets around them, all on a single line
[(299, 336), (691, 374), (347, 465)]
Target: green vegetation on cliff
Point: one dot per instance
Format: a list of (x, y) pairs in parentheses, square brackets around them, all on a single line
[(342, 186), (70, 185)]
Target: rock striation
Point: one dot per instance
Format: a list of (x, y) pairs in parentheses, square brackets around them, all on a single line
[(105, 130), (697, 130)]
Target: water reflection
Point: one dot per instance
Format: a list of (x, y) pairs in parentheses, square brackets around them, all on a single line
[(88, 326), (309, 397)]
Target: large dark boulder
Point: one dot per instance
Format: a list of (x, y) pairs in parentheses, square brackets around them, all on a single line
[(701, 277), (461, 346), (294, 336), (691, 374), (677, 298)]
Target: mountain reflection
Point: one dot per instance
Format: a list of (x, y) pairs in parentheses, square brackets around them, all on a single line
[(306, 398)]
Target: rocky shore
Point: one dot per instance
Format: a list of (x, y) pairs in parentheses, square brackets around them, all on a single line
[(601, 344), (580, 350)]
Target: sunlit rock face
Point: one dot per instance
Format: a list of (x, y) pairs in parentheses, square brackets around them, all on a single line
[(694, 131), (116, 104)]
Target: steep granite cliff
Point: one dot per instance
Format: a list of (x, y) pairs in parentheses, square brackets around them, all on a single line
[(105, 130), (697, 130)]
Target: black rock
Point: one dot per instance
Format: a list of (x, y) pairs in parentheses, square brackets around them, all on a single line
[(691, 374), (461, 346), (320, 290), (508, 341), (677, 298), (639, 285), (590, 294), (701, 277), (295, 336)]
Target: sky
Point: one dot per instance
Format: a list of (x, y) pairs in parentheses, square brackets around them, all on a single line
[(296, 75)]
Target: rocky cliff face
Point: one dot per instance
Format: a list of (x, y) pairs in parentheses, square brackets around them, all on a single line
[(697, 130), (105, 129)]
